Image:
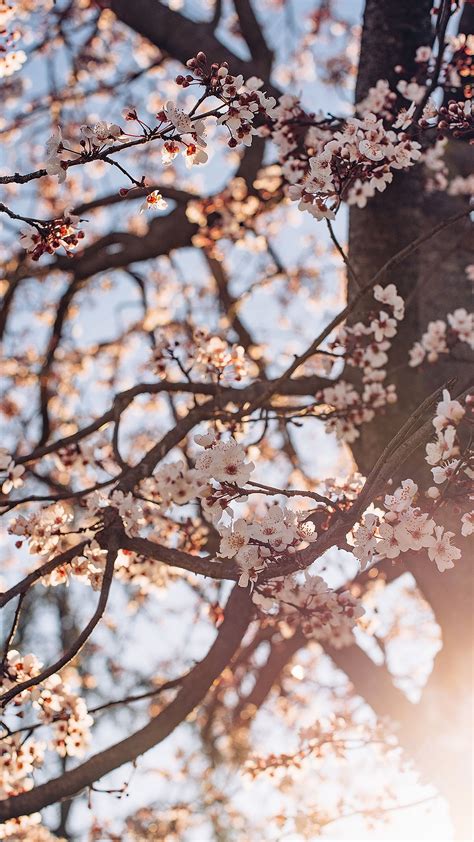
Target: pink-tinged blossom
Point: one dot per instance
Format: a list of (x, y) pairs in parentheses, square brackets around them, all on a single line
[(444, 472), (467, 521), (402, 498), (389, 295), (101, 133), (233, 538), (365, 541), (442, 551), (444, 447), (439, 339), (448, 412), (14, 477)]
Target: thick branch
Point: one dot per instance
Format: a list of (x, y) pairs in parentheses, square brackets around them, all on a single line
[(181, 37), (195, 686)]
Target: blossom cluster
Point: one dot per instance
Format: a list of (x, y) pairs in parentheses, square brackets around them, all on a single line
[(334, 161), (46, 238), (364, 346), (175, 483), (404, 526), (89, 567), (275, 537), (56, 705), (241, 104), (440, 454), (44, 530), (310, 604), (357, 161), (440, 337), (245, 100), (205, 354), (54, 701), (11, 60)]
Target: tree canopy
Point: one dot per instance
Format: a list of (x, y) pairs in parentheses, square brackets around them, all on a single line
[(237, 414)]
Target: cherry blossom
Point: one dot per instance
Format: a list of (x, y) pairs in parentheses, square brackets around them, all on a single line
[(441, 336), (322, 613), (154, 201), (467, 521), (225, 462), (14, 477), (101, 133), (448, 412), (442, 551)]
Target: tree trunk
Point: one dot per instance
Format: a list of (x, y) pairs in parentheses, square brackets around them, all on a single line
[(434, 281)]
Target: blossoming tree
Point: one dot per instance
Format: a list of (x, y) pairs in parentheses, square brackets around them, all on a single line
[(236, 475)]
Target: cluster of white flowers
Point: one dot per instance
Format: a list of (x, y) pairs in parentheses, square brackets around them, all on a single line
[(194, 129), (379, 100), (216, 356), (285, 133), (100, 134), (279, 534), (16, 670), (220, 471), (440, 337), (245, 101), (224, 461), (89, 567), (12, 473), (364, 346), (27, 829), (18, 759), (10, 60), (440, 453), (174, 482), (129, 509), (94, 139), (57, 706), (207, 355), (310, 604), (351, 166), (54, 701), (44, 530), (404, 526)]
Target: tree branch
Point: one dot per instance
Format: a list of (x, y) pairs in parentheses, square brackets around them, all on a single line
[(195, 685)]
